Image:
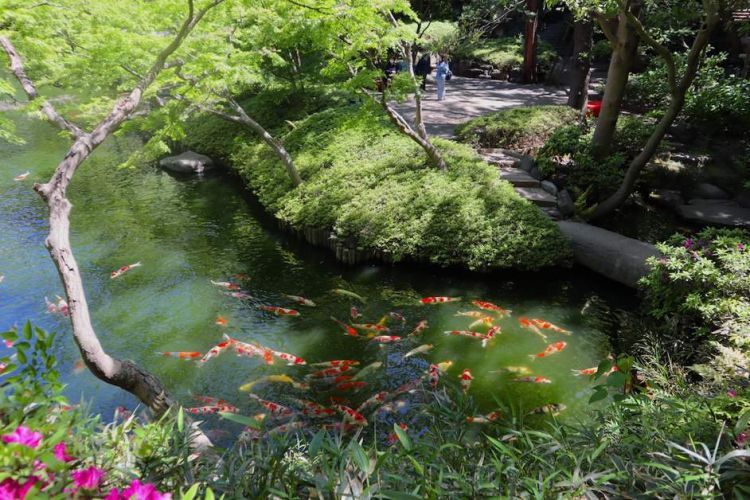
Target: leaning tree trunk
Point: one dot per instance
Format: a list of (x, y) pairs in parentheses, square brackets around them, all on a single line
[(581, 63), (121, 373), (528, 73), (624, 50)]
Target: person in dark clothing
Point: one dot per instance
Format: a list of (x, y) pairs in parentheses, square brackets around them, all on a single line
[(422, 68), (390, 69)]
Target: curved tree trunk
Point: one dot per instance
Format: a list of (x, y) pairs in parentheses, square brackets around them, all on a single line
[(121, 373), (581, 63), (624, 50)]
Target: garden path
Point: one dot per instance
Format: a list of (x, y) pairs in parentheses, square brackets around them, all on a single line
[(467, 98)]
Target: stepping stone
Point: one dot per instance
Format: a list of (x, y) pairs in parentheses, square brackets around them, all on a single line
[(538, 196), (500, 161), (518, 177), (715, 213)]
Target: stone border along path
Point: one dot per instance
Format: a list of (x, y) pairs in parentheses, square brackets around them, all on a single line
[(467, 98)]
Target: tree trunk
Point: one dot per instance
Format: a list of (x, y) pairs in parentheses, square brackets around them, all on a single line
[(121, 373), (528, 74), (624, 50), (581, 63)]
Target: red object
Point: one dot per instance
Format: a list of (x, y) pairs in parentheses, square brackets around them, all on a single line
[(594, 108)]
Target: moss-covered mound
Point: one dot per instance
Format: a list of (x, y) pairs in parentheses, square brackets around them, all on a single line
[(368, 183), (523, 129), (505, 54)]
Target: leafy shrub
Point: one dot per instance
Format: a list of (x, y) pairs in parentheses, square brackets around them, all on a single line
[(524, 128), (716, 103), (440, 37), (602, 49), (505, 54), (701, 285), (372, 185)]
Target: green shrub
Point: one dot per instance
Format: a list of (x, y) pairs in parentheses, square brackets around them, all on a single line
[(372, 185), (717, 103), (524, 128), (505, 54), (440, 37), (602, 49), (701, 285)]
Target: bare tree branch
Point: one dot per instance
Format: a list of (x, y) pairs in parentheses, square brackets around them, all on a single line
[(606, 27)]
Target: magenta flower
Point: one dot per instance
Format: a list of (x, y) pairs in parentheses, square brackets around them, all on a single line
[(114, 494), (24, 436), (740, 247), (688, 243), (23, 490), (139, 491), (9, 489), (742, 438), (88, 479), (61, 453), (732, 393)]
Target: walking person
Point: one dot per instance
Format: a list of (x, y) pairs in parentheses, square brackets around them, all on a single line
[(422, 69), (442, 74)]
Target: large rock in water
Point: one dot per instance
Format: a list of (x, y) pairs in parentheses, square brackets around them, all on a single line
[(610, 254), (187, 163)]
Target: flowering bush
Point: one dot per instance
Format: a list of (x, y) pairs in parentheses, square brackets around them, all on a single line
[(701, 285)]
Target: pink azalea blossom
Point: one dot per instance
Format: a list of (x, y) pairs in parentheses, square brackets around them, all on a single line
[(61, 453), (742, 438), (24, 436), (10, 489), (88, 479), (139, 491), (732, 393)]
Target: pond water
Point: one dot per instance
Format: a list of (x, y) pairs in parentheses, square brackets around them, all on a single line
[(189, 231)]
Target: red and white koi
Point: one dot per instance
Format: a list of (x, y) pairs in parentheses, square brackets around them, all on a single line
[(421, 326), (250, 350), (534, 380), (181, 354), (418, 350), (466, 333), (351, 416), (485, 419), (312, 409), (240, 295), (594, 369), (215, 350), (526, 323), (336, 362), (274, 408), (471, 314), (284, 428), (546, 325), (221, 321), (332, 371), (386, 339), (370, 327), (216, 402), (123, 270), (279, 311), (207, 410), (228, 285), (489, 306), (378, 398), (301, 300), (347, 328), (290, 359), (354, 313), (433, 375), (550, 349), (466, 377), (439, 300), (490, 335), (22, 177), (484, 320), (61, 307)]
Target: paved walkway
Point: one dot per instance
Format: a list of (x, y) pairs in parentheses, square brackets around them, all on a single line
[(466, 98)]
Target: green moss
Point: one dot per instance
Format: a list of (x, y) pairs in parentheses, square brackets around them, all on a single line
[(370, 184), (504, 53), (520, 128)]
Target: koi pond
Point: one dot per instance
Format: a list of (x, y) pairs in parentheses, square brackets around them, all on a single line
[(187, 232)]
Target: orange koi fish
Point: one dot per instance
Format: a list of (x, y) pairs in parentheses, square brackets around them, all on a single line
[(250, 350), (215, 402), (284, 428), (546, 325), (351, 416), (593, 370), (535, 380), (226, 284), (385, 339), (490, 335), (439, 300), (291, 359), (466, 333), (393, 437), (301, 300), (274, 408), (485, 320), (221, 321), (215, 350), (21, 177), (489, 306), (485, 419), (279, 311), (348, 329), (370, 327), (123, 270), (421, 326), (348, 386), (205, 410), (378, 398), (465, 378), (470, 314), (337, 362), (550, 349), (312, 409), (526, 323), (181, 354), (418, 350), (354, 313)]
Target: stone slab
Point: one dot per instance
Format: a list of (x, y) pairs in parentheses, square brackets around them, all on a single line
[(538, 196)]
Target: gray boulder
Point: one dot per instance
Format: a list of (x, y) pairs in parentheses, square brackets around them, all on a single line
[(549, 187), (187, 163), (670, 198), (565, 203), (709, 191), (526, 162), (743, 198)]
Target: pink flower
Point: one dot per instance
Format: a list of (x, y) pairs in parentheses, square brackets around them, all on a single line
[(24, 436), (61, 453), (138, 491), (9, 489), (114, 494), (23, 490), (88, 479), (8, 343), (742, 438), (732, 393)]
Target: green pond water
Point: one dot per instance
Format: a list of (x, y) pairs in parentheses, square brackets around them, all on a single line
[(188, 231)]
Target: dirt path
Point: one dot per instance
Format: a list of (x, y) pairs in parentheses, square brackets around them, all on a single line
[(466, 98)]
